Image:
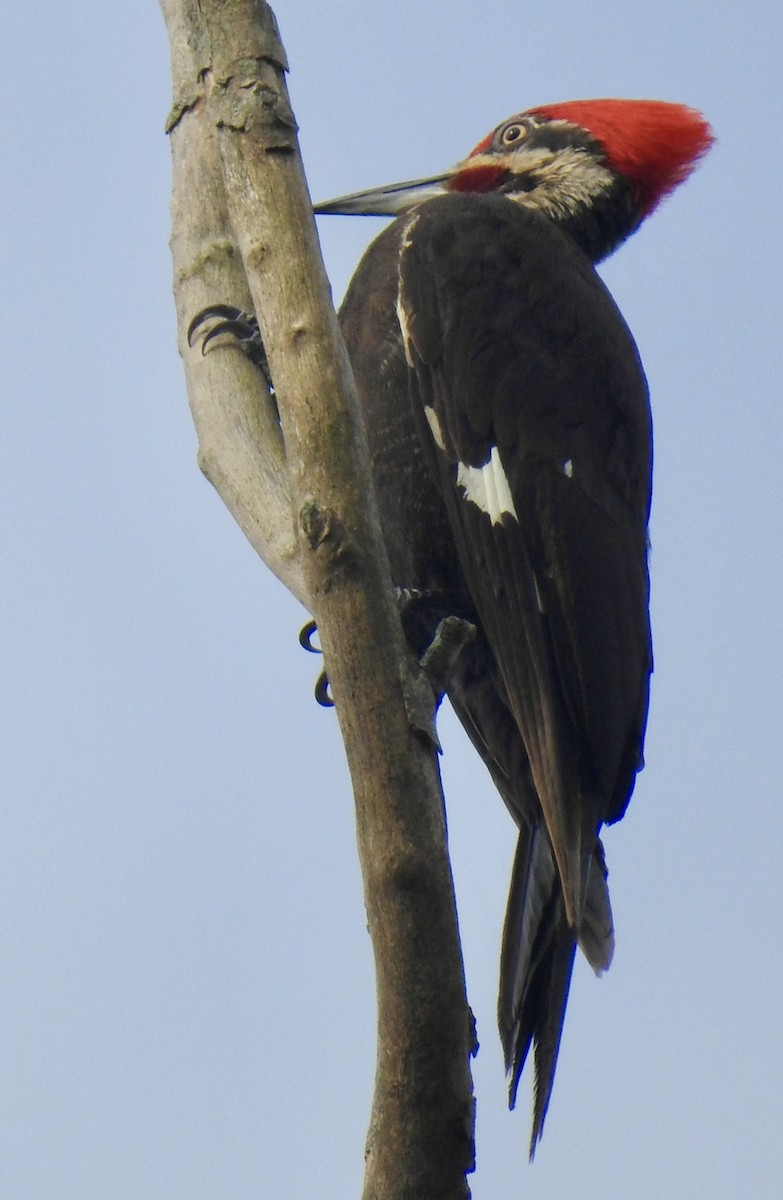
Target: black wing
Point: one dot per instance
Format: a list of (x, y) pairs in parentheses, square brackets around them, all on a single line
[(530, 396)]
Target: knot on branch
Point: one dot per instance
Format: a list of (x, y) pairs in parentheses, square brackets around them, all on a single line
[(325, 532), (249, 99)]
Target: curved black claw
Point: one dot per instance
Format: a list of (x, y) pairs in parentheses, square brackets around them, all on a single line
[(321, 691), (229, 312), (306, 635), (239, 325)]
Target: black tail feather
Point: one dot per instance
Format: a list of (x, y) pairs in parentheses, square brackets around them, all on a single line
[(535, 972), (537, 960)]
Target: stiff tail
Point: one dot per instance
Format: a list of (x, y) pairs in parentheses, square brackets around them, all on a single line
[(537, 960)]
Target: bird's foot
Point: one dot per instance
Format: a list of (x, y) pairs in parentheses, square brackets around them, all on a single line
[(437, 662), (437, 652), (435, 632), (240, 326)]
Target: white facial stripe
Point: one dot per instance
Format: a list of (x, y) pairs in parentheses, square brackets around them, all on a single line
[(401, 314), (435, 429), (404, 331), (488, 488), (567, 179), (407, 236)]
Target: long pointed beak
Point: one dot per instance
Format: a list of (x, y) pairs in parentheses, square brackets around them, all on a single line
[(386, 201)]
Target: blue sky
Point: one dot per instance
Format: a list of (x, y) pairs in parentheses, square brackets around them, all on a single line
[(186, 992)]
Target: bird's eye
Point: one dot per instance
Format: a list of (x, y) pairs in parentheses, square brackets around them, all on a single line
[(512, 134)]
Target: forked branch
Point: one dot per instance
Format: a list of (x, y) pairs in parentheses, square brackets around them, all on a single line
[(299, 486)]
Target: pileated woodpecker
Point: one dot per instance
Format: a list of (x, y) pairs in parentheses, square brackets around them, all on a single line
[(509, 432)]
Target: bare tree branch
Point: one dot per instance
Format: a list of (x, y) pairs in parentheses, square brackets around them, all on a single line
[(240, 442), (244, 231)]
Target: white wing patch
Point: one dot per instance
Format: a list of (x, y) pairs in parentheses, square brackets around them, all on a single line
[(488, 487)]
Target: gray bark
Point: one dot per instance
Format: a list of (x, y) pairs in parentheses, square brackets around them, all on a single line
[(243, 233)]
